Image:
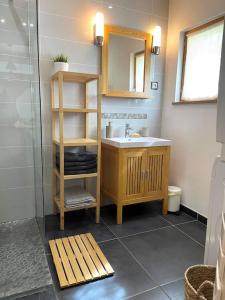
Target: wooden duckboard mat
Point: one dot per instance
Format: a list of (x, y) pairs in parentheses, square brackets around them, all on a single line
[(78, 259)]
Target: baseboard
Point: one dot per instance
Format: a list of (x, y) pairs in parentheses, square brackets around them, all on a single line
[(194, 214)]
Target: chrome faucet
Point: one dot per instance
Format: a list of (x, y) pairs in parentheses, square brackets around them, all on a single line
[(127, 130)]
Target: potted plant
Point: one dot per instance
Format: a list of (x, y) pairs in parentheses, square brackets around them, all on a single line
[(60, 63)]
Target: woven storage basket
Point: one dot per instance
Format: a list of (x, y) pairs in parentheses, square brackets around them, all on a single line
[(199, 282)]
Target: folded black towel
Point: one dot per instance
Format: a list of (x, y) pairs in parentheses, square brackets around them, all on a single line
[(77, 168), (76, 163), (66, 172), (83, 156)]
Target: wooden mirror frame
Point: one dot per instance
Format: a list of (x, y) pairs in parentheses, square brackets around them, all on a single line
[(121, 31)]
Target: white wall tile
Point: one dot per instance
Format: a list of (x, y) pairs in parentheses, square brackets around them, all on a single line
[(19, 94), (73, 8), (65, 28), (13, 137), (127, 18), (78, 53), (16, 177), (11, 113), (144, 5), (14, 16), (17, 3), (18, 204), (12, 43), (16, 157)]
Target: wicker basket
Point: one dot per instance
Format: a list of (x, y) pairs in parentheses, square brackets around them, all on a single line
[(199, 282)]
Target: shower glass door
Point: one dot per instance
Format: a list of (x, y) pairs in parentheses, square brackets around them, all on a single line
[(21, 175)]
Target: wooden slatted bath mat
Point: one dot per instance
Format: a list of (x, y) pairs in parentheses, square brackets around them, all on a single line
[(79, 259)]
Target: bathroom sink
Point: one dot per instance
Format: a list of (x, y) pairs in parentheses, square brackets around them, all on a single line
[(136, 142)]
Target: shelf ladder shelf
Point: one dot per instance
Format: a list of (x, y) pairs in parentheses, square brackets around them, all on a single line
[(58, 175), (75, 110)]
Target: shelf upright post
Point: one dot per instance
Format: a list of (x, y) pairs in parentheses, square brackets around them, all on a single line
[(86, 121), (54, 177), (98, 149), (61, 149)]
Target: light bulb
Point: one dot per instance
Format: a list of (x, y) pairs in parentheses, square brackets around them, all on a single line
[(99, 28), (156, 43), (157, 36)]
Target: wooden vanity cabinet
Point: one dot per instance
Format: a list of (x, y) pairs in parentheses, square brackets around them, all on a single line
[(135, 175)]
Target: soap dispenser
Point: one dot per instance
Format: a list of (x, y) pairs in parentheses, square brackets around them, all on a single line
[(109, 133)]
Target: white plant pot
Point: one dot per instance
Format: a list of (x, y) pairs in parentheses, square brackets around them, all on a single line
[(61, 66)]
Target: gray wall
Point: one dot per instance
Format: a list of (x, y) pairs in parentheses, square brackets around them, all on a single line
[(67, 26)]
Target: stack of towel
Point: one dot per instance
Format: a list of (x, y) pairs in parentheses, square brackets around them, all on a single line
[(76, 197), (78, 161)]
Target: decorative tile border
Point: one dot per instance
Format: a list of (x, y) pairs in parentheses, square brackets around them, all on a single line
[(123, 116)]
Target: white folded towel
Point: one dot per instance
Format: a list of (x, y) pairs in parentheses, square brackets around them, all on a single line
[(77, 197)]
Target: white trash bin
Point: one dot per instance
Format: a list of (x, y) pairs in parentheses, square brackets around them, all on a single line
[(174, 200)]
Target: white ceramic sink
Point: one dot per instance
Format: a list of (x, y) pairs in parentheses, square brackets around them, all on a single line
[(136, 142)]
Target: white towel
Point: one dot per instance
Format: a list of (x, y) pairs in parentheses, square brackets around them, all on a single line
[(77, 196)]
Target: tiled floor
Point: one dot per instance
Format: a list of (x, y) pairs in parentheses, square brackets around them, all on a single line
[(149, 252)]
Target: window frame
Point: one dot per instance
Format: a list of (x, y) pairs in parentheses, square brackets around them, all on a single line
[(186, 33), (136, 54)]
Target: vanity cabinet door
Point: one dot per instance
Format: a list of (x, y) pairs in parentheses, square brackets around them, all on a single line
[(133, 162), (156, 174)]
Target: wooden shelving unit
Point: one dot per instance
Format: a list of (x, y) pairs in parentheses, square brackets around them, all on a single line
[(58, 176)]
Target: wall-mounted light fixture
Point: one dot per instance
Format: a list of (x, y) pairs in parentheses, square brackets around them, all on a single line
[(99, 29), (156, 43)]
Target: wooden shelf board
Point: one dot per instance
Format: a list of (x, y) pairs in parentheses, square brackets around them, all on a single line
[(56, 199), (75, 77), (76, 110), (78, 176), (77, 142)]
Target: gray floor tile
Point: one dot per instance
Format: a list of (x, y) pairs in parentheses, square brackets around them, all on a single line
[(175, 290), (48, 294), (178, 219), (155, 294), (196, 230), (129, 279), (76, 223), (136, 218), (165, 253)]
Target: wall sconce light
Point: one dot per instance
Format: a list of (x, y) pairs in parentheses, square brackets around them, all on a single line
[(99, 29), (156, 43)]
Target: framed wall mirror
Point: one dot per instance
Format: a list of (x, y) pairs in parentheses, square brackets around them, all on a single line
[(126, 55)]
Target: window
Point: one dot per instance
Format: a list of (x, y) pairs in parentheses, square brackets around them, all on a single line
[(201, 62)]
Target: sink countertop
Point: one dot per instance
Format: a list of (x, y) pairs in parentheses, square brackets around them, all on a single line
[(136, 142)]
